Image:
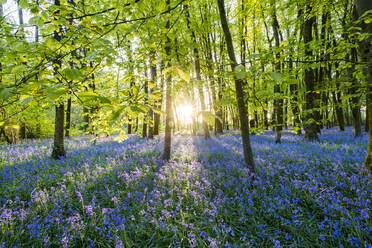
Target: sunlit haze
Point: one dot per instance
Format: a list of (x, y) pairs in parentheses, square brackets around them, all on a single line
[(185, 113)]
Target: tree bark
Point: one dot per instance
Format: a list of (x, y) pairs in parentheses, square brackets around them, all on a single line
[(145, 118), (68, 117), (295, 109), (153, 80), (278, 102), (366, 127), (160, 102), (247, 150), (132, 83), (310, 125), (58, 145), (365, 50), (355, 99), (219, 112), (338, 101), (168, 99)]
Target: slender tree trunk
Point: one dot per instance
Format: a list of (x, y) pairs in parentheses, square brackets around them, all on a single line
[(198, 78), (192, 97), (38, 124), (130, 125), (247, 150), (317, 84), (93, 110), (322, 71), (265, 119), (278, 102), (310, 125), (365, 49), (136, 125), (58, 145), (295, 109), (337, 100), (355, 99), (68, 117), (145, 118), (219, 112), (348, 116), (132, 83), (285, 113), (168, 100), (22, 131), (160, 102), (366, 127), (153, 81), (213, 91)]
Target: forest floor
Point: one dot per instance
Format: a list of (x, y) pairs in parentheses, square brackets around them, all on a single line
[(122, 195)]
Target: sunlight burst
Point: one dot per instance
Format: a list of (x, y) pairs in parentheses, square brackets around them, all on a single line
[(185, 113)]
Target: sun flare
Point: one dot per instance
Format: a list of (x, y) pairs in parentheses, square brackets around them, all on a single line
[(185, 113)]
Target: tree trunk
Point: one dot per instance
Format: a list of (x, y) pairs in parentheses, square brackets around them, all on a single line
[(355, 99), (310, 125), (278, 101), (58, 146), (366, 127), (68, 118), (322, 72), (337, 100), (22, 131), (247, 150), (265, 119), (198, 78), (168, 100), (153, 80), (136, 125), (365, 49), (145, 119), (38, 124), (219, 112), (160, 102), (295, 109)]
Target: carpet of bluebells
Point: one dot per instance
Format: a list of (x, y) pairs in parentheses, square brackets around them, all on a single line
[(114, 194)]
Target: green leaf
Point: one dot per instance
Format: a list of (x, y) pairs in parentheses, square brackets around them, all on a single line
[(116, 113), (276, 76), (5, 93), (54, 93), (91, 55), (104, 99), (27, 100), (158, 111), (152, 85), (136, 109), (36, 20), (240, 75), (88, 95), (135, 90), (183, 75), (72, 74), (23, 4)]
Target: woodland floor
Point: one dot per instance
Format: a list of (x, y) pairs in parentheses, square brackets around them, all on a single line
[(122, 195)]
